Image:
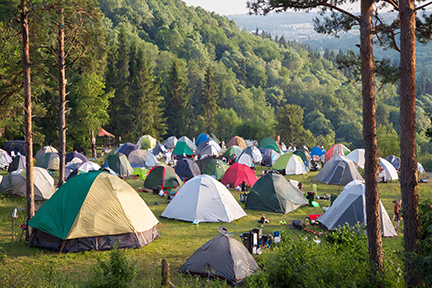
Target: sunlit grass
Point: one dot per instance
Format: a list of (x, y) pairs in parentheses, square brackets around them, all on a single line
[(29, 267)]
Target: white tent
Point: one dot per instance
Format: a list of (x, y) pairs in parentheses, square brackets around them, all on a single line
[(5, 159), (146, 138), (390, 172), (357, 156), (42, 181), (88, 166), (151, 160), (254, 152), (350, 207), (295, 166), (204, 199), (246, 159), (420, 168), (209, 150)]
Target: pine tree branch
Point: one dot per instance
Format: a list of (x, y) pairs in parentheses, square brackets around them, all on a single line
[(392, 3), (422, 6)]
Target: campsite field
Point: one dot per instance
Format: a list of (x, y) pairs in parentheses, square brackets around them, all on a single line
[(23, 266)]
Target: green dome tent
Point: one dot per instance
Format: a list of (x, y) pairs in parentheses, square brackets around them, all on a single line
[(182, 148), (273, 193), (270, 143), (231, 151), (119, 163), (93, 211), (282, 161), (162, 176), (217, 168)]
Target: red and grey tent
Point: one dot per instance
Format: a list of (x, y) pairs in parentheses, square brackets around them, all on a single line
[(237, 173)]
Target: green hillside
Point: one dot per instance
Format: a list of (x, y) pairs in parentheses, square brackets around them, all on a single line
[(162, 68)]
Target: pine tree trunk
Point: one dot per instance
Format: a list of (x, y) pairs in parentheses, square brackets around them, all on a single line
[(408, 137), (62, 101), (370, 141), (27, 116)]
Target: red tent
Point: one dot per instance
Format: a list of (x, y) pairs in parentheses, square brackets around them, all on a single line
[(335, 150), (237, 173)]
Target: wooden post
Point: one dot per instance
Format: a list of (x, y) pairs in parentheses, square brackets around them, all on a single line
[(165, 273)]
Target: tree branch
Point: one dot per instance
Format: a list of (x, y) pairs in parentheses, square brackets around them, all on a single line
[(394, 4), (422, 6)]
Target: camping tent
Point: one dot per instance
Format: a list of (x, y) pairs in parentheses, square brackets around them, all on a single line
[(350, 207), (89, 166), (170, 142), (162, 176), (13, 147), (216, 168), (270, 143), (304, 154), (5, 159), (252, 151), (119, 163), (201, 138), (186, 169), (126, 148), (237, 173), (395, 161), (18, 163), (338, 171), (224, 257), (43, 183), (237, 141), (273, 193), (76, 157), (420, 168), (246, 159), (208, 150), (317, 152), (49, 161), (231, 151), (93, 211), (159, 150), (146, 142), (189, 142), (204, 145), (336, 149), (390, 172), (182, 148), (269, 157), (282, 161), (295, 166), (137, 158), (357, 156), (44, 150), (204, 199)]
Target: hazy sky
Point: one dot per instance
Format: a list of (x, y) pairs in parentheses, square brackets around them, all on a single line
[(223, 7)]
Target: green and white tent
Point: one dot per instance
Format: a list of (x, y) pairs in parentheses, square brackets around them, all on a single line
[(93, 211), (273, 193)]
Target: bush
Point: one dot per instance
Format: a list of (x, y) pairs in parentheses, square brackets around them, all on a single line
[(424, 258), (301, 262), (116, 272)]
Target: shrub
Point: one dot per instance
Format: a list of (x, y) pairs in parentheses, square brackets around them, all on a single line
[(342, 259), (424, 258), (115, 272)]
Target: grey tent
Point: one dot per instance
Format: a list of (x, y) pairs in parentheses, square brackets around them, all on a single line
[(5, 159), (159, 149), (350, 207), (273, 193), (203, 145), (395, 161), (223, 257), (170, 142), (338, 171), (187, 169)]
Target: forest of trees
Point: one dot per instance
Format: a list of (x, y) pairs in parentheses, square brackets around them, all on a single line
[(162, 68)]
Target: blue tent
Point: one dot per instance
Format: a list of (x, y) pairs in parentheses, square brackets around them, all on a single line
[(127, 148), (317, 151), (201, 138)]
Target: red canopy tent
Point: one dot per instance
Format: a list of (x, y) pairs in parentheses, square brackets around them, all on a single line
[(237, 173), (103, 132)]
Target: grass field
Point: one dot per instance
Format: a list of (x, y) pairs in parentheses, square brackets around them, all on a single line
[(23, 266)]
